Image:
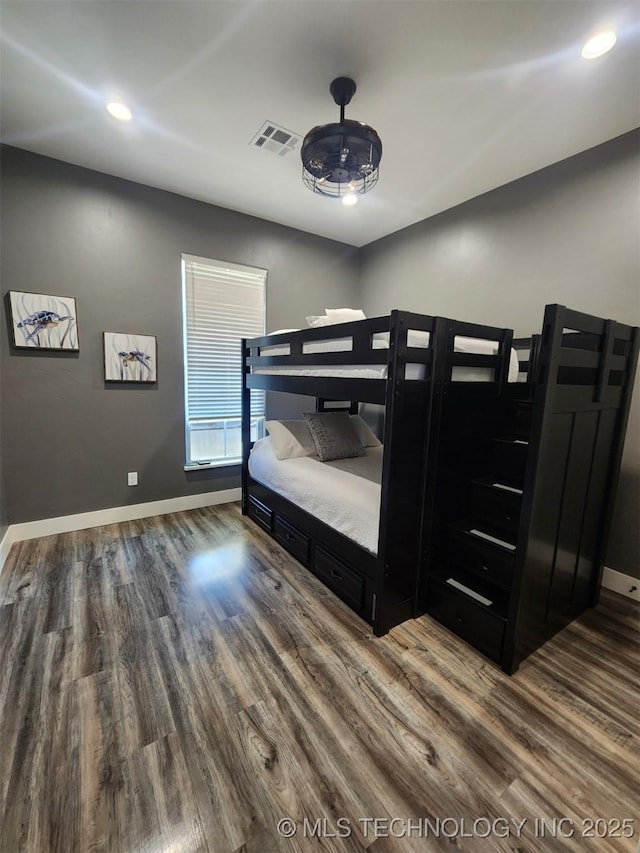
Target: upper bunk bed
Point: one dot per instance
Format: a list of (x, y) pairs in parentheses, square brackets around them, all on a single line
[(361, 360), (404, 362)]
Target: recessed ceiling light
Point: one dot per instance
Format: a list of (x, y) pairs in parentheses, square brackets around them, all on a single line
[(349, 199), (599, 44), (119, 110)]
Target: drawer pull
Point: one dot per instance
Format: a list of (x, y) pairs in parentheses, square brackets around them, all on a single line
[(290, 538), (470, 592), (485, 568), (336, 575), (507, 488), (459, 617), (500, 542)]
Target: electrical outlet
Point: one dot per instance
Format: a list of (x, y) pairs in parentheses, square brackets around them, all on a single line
[(132, 478)]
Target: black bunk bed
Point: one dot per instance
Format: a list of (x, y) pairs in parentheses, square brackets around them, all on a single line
[(496, 497), (380, 587)]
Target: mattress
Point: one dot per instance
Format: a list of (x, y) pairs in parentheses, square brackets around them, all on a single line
[(415, 338), (344, 494)]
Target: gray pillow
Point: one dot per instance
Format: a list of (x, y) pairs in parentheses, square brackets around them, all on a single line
[(334, 435)]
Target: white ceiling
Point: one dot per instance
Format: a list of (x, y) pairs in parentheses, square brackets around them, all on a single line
[(466, 95)]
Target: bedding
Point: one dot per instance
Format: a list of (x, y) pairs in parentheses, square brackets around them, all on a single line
[(333, 316), (290, 439), (415, 338), (367, 436), (344, 494), (344, 315)]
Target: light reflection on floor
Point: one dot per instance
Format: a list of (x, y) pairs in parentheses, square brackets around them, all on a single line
[(219, 564)]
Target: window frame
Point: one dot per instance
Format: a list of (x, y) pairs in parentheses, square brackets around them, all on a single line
[(231, 421)]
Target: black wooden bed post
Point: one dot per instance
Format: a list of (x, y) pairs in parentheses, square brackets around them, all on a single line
[(439, 338), (504, 354), (534, 358), (407, 407), (246, 424)]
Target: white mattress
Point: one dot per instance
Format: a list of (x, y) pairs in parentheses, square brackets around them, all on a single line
[(345, 494), (415, 338)]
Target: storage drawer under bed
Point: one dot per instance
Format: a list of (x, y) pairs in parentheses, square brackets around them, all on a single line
[(334, 574), (296, 542), (260, 513)]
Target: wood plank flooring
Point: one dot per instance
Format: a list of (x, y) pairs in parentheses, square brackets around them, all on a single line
[(181, 684)]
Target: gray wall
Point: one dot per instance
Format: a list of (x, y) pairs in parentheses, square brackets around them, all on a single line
[(68, 440), (3, 507), (567, 234)]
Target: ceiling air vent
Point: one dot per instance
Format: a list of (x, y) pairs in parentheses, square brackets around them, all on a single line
[(276, 139)]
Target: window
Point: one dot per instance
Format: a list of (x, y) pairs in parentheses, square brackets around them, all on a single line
[(222, 303)]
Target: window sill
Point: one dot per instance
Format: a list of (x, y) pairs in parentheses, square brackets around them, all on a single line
[(217, 463)]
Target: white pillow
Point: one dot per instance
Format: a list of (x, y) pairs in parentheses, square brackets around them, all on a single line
[(344, 315), (290, 439), (367, 436), (282, 332), (319, 320)]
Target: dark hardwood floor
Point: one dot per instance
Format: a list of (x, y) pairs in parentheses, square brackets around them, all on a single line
[(181, 684)]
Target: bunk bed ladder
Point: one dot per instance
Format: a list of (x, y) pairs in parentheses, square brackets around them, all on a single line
[(467, 567)]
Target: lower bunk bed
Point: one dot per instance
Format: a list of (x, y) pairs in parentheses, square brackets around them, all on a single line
[(327, 517)]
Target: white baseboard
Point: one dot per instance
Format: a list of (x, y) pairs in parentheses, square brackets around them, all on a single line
[(100, 517), (5, 546), (619, 582)]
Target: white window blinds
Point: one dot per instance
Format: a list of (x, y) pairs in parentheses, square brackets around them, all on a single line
[(223, 303)]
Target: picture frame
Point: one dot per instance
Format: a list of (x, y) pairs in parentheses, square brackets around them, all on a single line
[(130, 357), (43, 322)]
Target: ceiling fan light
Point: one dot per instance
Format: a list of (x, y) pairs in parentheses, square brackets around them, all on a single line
[(344, 157)]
